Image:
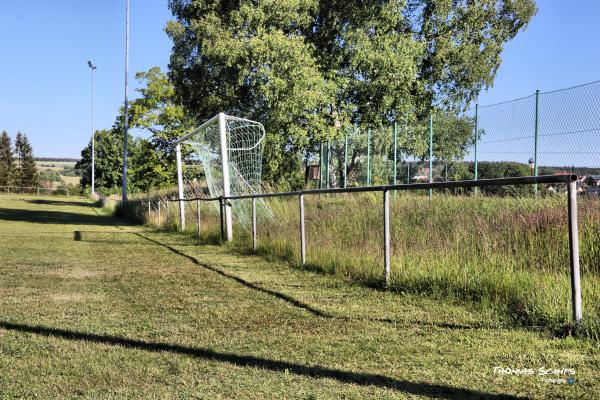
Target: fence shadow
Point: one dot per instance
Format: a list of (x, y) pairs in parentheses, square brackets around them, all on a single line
[(58, 217), (302, 305), (438, 391), (60, 203)]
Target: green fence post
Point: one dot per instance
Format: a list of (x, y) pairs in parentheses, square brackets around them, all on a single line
[(395, 153), (346, 159), (475, 139), (321, 166), (328, 162), (407, 171), (430, 153), (535, 143), (369, 157)]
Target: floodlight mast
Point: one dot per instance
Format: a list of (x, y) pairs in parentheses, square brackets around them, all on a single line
[(93, 68), (126, 111)]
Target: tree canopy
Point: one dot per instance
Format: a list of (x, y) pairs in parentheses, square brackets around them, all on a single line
[(26, 171), (7, 162), (306, 68)]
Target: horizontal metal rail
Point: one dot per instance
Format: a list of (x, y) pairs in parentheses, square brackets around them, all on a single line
[(569, 180), (522, 180)]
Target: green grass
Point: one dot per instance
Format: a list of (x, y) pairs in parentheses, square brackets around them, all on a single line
[(508, 255), (93, 307)]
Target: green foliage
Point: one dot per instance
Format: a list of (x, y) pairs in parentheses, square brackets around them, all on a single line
[(49, 176), (7, 163), (304, 68), (503, 169), (26, 172), (156, 111), (109, 159)]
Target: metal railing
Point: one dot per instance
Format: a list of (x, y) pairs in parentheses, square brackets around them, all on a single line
[(31, 190), (569, 180)]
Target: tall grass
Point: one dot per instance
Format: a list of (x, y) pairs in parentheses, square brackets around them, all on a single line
[(510, 254)]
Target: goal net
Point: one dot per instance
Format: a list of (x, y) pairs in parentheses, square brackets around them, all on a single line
[(223, 156)]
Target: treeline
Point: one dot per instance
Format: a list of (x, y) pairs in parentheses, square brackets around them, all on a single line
[(54, 159), (310, 75), (17, 164)]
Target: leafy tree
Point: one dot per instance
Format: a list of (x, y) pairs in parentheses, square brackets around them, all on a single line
[(7, 162), (503, 169), (109, 159), (157, 112), (305, 68), (26, 173)]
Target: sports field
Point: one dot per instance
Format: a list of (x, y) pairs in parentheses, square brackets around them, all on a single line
[(93, 307)]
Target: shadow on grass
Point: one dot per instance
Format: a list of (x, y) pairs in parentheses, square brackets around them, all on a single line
[(297, 303), (363, 379), (58, 217), (60, 203)]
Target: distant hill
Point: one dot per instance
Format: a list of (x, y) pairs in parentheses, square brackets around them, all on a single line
[(57, 159)]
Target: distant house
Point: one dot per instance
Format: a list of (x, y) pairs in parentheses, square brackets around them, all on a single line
[(422, 175), (593, 180), (592, 185)]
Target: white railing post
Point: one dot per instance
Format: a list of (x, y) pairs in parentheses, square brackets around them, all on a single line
[(302, 231), (158, 215), (198, 216), (574, 252), (386, 235)]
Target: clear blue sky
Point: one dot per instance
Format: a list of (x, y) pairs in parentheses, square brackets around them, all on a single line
[(45, 82)]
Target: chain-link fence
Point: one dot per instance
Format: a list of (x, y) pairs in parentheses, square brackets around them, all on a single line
[(546, 133)]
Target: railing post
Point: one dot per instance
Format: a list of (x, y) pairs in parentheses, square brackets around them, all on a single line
[(149, 213), (386, 235), (222, 217), (38, 190), (198, 217), (254, 224), (535, 141), (158, 217), (302, 231), (574, 253)]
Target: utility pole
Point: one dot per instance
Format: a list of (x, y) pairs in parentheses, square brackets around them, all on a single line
[(93, 68)]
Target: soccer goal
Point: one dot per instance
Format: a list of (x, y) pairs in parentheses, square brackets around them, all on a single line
[(228, 151)]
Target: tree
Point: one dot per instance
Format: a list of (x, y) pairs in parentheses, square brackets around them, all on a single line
[(26, 173), (305, 68), (157, 112), (109, 159), (7, 162), (17, 158)]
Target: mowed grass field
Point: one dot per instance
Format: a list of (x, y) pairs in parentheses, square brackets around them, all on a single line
[(92, 307)]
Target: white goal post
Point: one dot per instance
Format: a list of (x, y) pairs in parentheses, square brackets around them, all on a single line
[(230, 150)]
